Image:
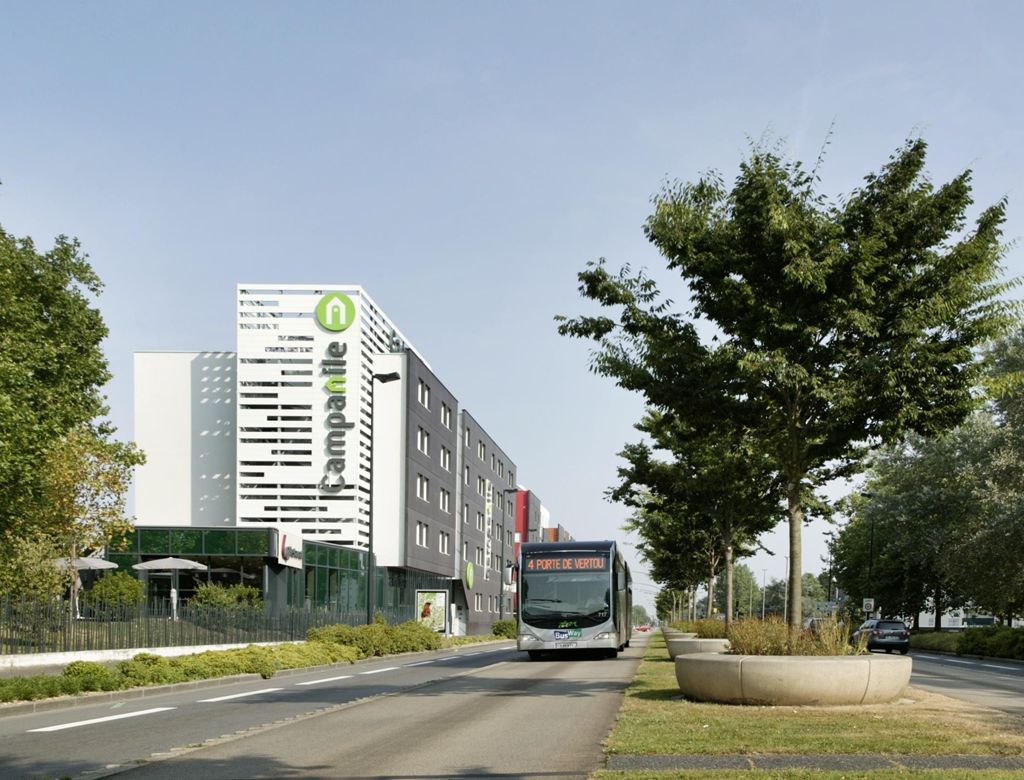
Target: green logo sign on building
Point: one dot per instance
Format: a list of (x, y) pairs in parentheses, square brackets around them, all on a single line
[(469, 576), (336, 311)]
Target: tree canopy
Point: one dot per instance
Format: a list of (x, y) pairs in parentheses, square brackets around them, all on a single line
[(835, 326)]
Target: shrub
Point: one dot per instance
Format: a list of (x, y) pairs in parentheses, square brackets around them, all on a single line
[(506, 629), (89, 676), (709, 628), (379, 638), (115, 589), (992, 641), (772, 636), (213, 594), (943, 641)]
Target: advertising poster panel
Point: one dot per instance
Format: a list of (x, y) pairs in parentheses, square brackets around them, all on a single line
[(432, 608)]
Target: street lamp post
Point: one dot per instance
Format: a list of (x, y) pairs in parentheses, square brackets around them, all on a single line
[(764, 575), (371, 569), (501, 546)]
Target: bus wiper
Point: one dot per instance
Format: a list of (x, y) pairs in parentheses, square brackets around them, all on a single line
[(553, 601)]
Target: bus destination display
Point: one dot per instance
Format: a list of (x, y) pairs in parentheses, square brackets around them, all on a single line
[(567, 562)]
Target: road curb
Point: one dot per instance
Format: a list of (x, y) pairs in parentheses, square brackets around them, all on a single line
[(129, 694)]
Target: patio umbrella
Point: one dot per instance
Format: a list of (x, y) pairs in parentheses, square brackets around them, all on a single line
[(85, 563), (172, 565), (80, 564)]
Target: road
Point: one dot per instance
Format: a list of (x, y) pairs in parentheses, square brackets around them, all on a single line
[(421, 715), (991, 683)]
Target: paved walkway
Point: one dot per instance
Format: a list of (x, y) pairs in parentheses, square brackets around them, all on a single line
[(847, 763)]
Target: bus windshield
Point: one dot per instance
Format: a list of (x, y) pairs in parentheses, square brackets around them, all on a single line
[(558, 589)]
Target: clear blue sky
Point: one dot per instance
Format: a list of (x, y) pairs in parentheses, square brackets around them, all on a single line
[(462, 162)]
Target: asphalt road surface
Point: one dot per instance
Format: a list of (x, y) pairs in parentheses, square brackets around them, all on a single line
[(483, 711), (991, 683)]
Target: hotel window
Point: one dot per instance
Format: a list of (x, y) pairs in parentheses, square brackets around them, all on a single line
[(511, 479), (508, 538), (494, 462), (481, 486), (445, 500), (465, 436), (501, 469), (490, 603), (481, 451), (423, 393), (422, 487), (465, 475), (442, 541), (423, 441), (510, 507), (479, 556), (446, 458), (478, 602), (422, 535), (446, 416), (465, 551), (479, 521), (465, 513)]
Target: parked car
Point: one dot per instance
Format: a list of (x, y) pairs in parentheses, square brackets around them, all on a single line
[(884, 634), (644, 627)]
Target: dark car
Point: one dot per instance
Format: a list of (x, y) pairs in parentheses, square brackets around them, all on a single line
[(884, 634)]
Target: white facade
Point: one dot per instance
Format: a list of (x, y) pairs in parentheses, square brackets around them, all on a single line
[(185, 423), (306, 357)]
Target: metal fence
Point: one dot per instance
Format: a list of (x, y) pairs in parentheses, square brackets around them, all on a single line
[(50, 627)]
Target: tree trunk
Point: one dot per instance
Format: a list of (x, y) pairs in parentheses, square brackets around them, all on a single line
[(796, 520), (728, 586), (937, 604), (711, 593)]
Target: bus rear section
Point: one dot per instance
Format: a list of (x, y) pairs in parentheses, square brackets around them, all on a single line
[(573, 596)]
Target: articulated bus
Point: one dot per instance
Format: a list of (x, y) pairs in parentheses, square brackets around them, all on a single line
[(573, 596)]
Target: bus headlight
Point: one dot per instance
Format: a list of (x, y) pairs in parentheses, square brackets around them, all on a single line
[(606, 635), (526, 636)]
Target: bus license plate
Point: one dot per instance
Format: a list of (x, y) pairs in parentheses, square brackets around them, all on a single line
[(565, 645)]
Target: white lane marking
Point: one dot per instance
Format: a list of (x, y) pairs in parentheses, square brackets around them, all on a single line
[(467, 655), (1008, 668), (423, 663), (378, 671), (325, 680), (76, 724), (448, 658), (240, 695)]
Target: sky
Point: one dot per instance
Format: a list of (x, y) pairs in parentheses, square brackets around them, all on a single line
[(463, 162)]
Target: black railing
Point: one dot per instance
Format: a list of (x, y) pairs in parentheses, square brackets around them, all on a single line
[(50, 627)]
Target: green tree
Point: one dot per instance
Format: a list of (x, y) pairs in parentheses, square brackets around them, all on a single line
[(715, 481), (640, 616), (85, 480), (840, 326), (746, 592), (51, 365), (28, 570)]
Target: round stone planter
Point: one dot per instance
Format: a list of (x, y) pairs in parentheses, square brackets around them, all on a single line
[(794, 679), (690, 644)]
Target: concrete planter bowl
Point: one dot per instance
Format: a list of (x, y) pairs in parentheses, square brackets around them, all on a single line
[(792, 680), (689, 644)]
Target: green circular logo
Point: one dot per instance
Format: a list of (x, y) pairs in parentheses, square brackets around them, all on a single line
[(469, 575), (336, 311)]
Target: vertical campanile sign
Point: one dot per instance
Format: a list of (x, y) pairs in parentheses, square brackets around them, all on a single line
[(337, 376)]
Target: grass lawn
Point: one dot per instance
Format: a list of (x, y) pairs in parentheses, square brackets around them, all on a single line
[(655, 720)]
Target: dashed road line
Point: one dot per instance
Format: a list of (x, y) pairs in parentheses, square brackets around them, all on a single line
[(91, 721), (325, 680), (240, 695), (378, 671)]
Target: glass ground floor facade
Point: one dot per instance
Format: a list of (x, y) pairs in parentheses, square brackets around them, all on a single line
[(331, 578)]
